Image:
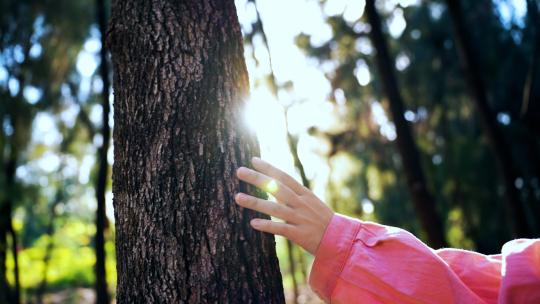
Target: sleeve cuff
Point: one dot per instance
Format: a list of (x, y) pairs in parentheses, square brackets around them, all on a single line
[(332, 254)]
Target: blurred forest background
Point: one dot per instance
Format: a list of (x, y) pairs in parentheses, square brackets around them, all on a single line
[(418, 114)]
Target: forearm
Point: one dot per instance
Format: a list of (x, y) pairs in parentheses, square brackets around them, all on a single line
[(363, 261)]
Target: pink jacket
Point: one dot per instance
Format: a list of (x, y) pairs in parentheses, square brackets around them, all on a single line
[(364, 262)]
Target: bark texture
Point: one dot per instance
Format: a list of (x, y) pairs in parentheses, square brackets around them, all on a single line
[(423, 200), (180, 81)]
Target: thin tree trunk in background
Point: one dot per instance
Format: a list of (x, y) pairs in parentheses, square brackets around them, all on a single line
[(292, 269), (102, 295), (500, 148), (423, 200), (530, 85), (48, 250), (6, 207), (302, 263), (180, 83), (58, 198), (330, 185), (530, 111), (10, 295), (293, 143), (5, 219), (292, 148), (15, 254), (4, 286)]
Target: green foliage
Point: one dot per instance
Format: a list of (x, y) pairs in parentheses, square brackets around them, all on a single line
[(71, 260)]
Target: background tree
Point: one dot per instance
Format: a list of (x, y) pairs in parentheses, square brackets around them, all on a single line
[(180, 80), (423, 200), (496, 139), (438, 107), (103, 166), (23, 26)]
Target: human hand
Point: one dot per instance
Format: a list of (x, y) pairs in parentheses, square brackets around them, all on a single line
[(306, 216)]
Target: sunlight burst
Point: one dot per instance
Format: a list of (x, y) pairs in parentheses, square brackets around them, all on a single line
[(271, 187)]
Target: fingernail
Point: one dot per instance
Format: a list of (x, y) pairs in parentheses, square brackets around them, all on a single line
[(239, 196), (255, 159), (239, 170), (255, 222)]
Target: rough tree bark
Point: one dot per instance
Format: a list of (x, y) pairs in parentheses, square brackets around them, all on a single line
[(180, 81), (501, 150), (423, 200), (102, 295)]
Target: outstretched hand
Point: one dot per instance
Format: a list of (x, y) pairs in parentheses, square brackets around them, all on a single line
[(306, 216)]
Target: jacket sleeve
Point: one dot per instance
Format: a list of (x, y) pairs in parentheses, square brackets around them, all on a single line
[(520, 272), (370, 263)]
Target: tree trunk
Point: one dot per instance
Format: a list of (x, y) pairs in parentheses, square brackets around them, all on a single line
[(292, 270), (6, 228), (40, 292), (501, 150), (529, 109), (59, 197), (530, 93), (102, 295), (5, 220), (180, 82), (15, 255), (292, 142), (423, 200), (274, 88)]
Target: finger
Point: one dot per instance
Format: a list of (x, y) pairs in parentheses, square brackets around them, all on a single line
[(270, 208), (286, 179), (276, 188), (272, 227)]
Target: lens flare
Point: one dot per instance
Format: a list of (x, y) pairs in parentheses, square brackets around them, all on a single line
[(271, 187)]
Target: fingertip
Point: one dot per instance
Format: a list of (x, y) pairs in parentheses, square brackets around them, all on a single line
[(240, 198), (241, 171), (256, 223), (256, 160)]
